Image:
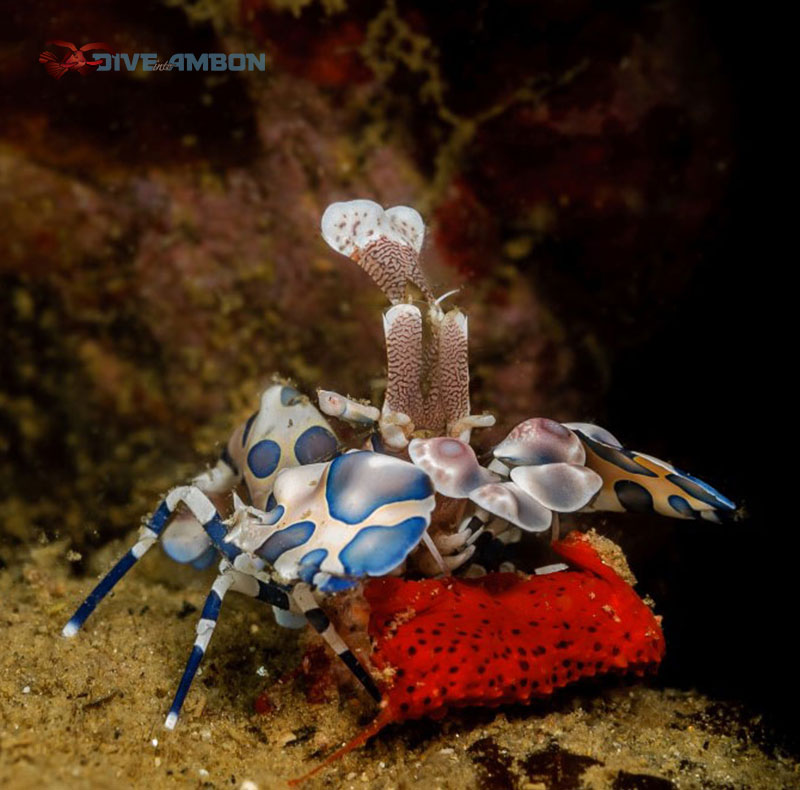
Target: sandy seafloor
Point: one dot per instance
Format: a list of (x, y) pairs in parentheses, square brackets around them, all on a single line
[(88, 712)]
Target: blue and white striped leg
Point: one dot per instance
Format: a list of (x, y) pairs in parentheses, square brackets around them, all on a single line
[(321, 623), (475, 525), (488, 536), (202, 509), (148, 535), (205, 629), (229, 579)]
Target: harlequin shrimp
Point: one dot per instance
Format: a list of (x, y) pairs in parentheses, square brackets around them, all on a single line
[(411, 501)]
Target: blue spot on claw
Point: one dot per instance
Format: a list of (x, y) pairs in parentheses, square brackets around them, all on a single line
[(309, 564), (334, 585), (264, 457), (378, 550), (359, 483), (285, 540)]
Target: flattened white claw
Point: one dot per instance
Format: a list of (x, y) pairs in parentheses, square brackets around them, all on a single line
[(509, 502), (562, 487), (451, 464), (540, 441), (498, 466)]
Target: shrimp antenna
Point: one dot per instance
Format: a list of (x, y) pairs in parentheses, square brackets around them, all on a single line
[(444, 296)]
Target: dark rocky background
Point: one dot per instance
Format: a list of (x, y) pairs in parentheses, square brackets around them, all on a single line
[(593, 178)]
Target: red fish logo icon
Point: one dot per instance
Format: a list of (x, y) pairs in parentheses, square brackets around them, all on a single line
[(74, 60)]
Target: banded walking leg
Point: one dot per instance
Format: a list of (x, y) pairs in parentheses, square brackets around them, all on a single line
[(228, 579), (448, 553), (148, 535), (475, 525), (488, 536), (205, 630), (202, 509), (321, 623)]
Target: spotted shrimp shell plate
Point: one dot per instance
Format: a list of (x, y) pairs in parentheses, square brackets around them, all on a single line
[(358, 515), (509, 502), (350, 226), (451, 464), (540, 441), (562, 487), (286, 431)]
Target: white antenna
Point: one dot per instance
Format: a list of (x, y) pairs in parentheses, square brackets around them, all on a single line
[(444, 296)]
